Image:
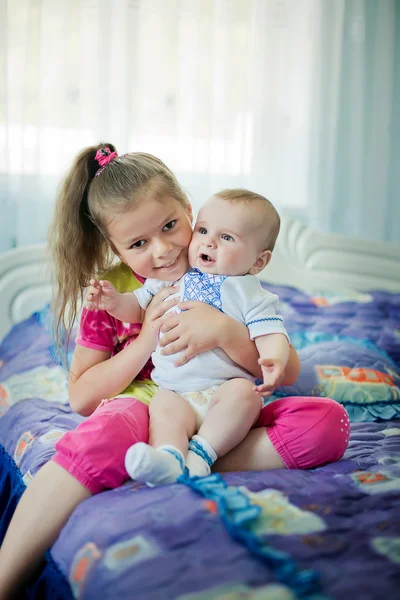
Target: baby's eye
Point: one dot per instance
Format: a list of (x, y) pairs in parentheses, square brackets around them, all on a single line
[(169, 225), (227, 237), (202, 230), (138, 244)]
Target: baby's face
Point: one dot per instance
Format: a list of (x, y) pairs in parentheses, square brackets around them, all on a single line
[(226, 238)]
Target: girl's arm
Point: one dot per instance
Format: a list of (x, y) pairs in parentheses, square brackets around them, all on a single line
[(292, 369), (237, 347), (235, 341), (274, 355), (96, 375)]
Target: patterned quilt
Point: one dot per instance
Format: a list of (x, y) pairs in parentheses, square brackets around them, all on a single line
[(332, 532)]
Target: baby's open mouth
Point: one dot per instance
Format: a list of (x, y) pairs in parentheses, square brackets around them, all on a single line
[(206, 258)]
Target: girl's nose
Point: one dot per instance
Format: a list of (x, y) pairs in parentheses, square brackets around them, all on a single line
[(161, 248)]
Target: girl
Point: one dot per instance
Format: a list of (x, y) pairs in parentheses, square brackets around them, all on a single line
[(98, 207)]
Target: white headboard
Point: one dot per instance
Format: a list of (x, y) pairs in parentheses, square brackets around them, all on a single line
[(302, 258), (310, 260), (24, 284)]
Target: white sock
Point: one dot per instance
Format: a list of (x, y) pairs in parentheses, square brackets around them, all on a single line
[(201, 457), (155, 466)]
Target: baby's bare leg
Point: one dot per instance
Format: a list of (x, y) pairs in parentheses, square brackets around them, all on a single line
[(233, 410), (255, 453), (172, 423)]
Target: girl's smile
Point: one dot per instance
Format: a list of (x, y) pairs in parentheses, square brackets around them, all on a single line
[(172, 264), (153, 237)]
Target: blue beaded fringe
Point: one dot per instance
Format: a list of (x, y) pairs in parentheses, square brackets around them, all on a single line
[(237, 512)]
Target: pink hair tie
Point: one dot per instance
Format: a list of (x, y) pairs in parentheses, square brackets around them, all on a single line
[(103, 157)]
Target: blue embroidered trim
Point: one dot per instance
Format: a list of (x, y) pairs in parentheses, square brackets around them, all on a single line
[(265, 319), (203, 287), (176, 455), (149, 292), (198, 449), (237, 512)]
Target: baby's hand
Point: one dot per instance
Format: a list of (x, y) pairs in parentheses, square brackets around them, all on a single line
[(273, 371), (101, 295)]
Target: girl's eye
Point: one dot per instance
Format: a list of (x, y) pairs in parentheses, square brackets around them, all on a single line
[(169, 225), (138, 244), (202, 230), (227, 237)]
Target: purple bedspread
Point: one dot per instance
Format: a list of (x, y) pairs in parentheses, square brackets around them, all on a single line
[(342, 520)]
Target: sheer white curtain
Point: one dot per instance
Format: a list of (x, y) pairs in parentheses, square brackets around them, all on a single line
[(355, 149), (226, 92)]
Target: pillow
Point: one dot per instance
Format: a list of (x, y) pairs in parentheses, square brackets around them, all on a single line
[(362, 378)]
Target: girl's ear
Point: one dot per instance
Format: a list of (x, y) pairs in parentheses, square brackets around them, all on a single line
[(115, 251), (261, 262)]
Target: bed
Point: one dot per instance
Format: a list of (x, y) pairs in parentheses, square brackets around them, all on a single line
[(332, 532)]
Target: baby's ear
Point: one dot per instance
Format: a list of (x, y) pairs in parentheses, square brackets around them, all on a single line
[(261, 262)]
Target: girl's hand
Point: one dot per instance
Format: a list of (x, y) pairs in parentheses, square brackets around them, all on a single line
[(154, 313), (273, 370), (200, 327), (101, 295)]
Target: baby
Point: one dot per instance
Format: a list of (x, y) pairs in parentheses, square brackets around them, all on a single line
[(232, 242)]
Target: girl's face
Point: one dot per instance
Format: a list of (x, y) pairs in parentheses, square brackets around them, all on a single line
[(153, 237)]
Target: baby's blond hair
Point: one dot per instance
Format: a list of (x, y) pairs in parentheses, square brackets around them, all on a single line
[(271, 218)]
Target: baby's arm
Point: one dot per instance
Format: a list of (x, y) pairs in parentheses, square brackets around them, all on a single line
[(102, 295), (274, 355), (259, 310)]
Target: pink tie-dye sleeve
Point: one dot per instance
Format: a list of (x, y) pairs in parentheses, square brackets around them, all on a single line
[(97, 330)]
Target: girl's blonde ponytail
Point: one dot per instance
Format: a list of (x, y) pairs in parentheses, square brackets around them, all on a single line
[(85, 205), (77, 245)]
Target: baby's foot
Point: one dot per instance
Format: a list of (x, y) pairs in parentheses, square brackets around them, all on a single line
[(200, 458), (154, 466)]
